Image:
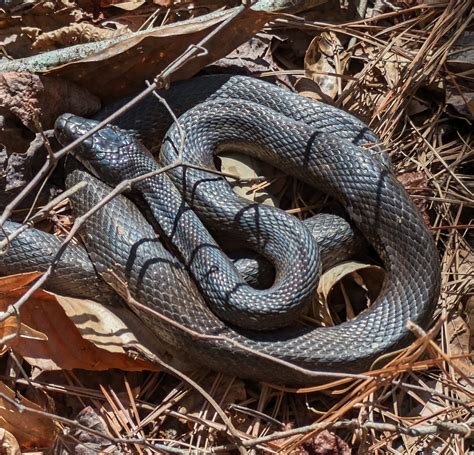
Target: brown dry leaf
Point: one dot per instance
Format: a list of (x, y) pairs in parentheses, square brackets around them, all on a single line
[(458, 335), (250, 169), (19, 32), (60, 344), (135, 4), (349, 284), (413, 181), (391, 67), (30, 430), (122, 67), (39, 99), (364, 101), (461, 102), (322, 57), (16, 282), (323, 443), (308, 88), (114, 329), (254, 56), (8, 443), (12, 326), (131, 5), (89, 418), (417, 106), (424, 405), (75, 34), (470, 318), (328, 443)]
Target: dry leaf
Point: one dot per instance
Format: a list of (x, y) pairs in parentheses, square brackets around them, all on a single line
[(114, 329), (19, 32), (308, 88), (39, 100), (30, 430), (253, 57), (458, 335), (470, 313), (363, 101), (328, 443), (422, 404), (350, 284), (75, 34), (8, 443), (461, 102), (58, 343), (121, 68), (322, 58), (250, 169), (16, 282), (131, 5), (417, 106), (83, 441), (392, 66), (11, 327)]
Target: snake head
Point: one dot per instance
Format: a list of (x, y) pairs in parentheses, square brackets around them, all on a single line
[(111, 153)]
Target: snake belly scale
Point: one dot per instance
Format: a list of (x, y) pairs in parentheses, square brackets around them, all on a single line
[(325, 153)]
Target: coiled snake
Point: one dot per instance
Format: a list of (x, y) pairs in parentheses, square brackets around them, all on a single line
[(234, 328)]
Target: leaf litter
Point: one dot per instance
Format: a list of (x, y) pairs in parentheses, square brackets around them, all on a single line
[(403, 68)]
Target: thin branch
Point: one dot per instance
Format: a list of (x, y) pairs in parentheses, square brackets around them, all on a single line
[(437, 427)]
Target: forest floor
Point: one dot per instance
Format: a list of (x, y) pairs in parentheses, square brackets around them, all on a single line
[(70, 385)]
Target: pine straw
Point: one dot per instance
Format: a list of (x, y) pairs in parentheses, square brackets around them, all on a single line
[(422, 399)]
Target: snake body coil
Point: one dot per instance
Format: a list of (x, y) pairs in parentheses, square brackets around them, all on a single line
[(320, 148)]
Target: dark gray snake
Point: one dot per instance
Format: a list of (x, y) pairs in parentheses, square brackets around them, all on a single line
[(317, 144)]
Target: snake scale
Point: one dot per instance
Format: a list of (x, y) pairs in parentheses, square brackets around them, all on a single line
[(255, 335)]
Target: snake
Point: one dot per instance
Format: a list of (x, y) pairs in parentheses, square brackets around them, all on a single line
[(181, 275)]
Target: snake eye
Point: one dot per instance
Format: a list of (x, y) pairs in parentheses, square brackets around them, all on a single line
[(68, 128)]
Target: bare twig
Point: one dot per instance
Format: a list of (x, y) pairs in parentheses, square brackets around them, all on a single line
[(439, 427)]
